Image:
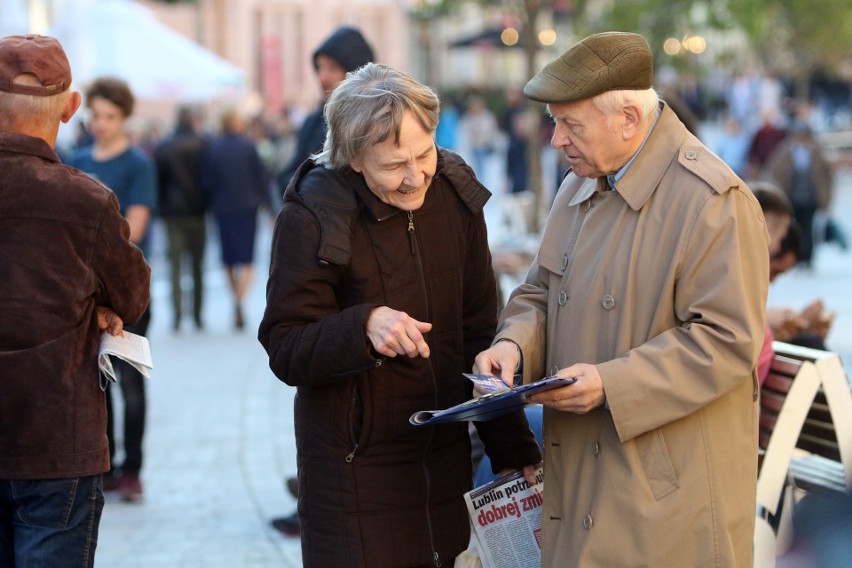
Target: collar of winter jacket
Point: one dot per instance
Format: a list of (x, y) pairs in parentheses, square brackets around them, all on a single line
[(331, 196)]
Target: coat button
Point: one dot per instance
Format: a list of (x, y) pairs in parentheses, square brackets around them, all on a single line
[(608, 302), (563, 297), (596, 449), (564, 262), (690, 154), (553, 370), (587, 522)]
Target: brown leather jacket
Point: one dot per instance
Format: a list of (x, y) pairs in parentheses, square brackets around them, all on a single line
[(64, 249), (375, 491)]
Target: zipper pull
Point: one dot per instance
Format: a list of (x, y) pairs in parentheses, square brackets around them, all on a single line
[(437, 559), (411, 231)]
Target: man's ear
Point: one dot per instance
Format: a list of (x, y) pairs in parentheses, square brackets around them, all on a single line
[(71, 106), (632, 121)]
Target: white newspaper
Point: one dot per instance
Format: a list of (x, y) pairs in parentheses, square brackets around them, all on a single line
[(505, 517), (133, 348)]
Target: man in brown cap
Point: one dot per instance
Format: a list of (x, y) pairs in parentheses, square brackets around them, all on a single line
[(69, 272), (649, 287)]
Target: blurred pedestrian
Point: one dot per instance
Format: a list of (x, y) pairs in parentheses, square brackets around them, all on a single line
[(649, 288), (732, 145), (69, 272), (763, 143), (376, 314), (343, 51), (130, 173), (237, 185), (778, 214), (799, 167), (480, 132), (182, 204), (447, 133)]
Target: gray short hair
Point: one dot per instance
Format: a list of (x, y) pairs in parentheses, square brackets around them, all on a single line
[(611, 102), (368, 106), (18, 109)]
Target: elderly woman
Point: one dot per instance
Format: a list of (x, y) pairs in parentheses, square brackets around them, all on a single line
[(380, 294)]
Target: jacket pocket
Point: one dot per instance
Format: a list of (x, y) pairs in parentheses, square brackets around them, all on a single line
[(657, 463)]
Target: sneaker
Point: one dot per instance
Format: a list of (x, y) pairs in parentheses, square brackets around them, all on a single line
[(288, 526), (130, 487)]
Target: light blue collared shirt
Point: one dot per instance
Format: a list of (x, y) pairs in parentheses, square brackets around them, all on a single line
[(612, 179)]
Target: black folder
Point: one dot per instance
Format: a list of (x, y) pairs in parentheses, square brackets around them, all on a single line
[(490, 405)]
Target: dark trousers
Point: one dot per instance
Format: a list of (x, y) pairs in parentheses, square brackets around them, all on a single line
[(187, 237), (804, 215), (50, 523), (132, 385)]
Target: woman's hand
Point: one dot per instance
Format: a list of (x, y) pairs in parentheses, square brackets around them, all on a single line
[(395, 333)]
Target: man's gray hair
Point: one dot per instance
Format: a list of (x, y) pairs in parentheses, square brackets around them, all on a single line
[(368, 107), (18, 109), (612, 102)]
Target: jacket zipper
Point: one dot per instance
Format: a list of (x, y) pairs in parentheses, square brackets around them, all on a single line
[(412, 239), (351, 455)]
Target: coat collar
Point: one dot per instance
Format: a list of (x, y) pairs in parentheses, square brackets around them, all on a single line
[(644, 174), (22, 144), (331, 196)]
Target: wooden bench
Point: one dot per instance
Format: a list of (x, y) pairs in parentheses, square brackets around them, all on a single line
[(805, 424)]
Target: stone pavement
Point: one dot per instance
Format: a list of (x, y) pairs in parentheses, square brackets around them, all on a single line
[(220, 425)]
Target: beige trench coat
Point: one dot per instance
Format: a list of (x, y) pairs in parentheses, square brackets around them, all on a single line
[(663, 286)]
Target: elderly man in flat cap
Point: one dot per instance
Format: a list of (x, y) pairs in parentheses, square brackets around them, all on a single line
[(649, 287), (68, 272)]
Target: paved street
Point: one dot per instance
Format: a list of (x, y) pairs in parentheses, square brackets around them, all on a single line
[(220, 426)]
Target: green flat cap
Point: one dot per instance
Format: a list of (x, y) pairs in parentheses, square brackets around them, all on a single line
[(602, 62)]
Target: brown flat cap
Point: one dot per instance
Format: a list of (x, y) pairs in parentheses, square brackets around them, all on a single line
[(38, 55), (602, 62)]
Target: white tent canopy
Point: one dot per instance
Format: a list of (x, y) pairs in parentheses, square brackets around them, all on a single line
[(121, 38)]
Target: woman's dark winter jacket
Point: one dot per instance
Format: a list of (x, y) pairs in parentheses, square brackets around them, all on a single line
[(375, 491)]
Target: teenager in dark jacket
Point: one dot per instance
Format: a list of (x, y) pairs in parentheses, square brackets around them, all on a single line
[(375, 315), (343, 51)]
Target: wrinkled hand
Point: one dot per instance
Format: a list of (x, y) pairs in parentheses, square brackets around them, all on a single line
[(395, 333), (580, 397), (108, 320), (500, 359)]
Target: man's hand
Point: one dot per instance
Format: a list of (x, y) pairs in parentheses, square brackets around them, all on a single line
[(580, 397), (395, 333), (108, 320), (500, 359)]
